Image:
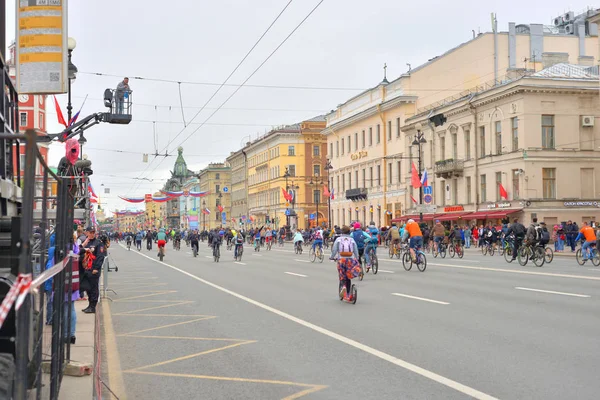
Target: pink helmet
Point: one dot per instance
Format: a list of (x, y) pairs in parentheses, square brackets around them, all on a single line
[(357, 225)]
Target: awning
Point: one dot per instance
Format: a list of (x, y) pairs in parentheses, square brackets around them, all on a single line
[(404, 218), (478, 215), (453, 216), (503, 213)]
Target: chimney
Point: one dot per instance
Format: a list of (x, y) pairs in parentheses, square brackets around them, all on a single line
[(550, 58), (512, 45)]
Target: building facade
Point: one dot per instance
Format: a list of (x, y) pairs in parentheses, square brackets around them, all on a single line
[(175, 183), (239, 186), (216, 180), (369, 137)]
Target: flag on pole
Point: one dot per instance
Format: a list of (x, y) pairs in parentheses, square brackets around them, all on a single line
[(424, 182), (413, 199), (287, 196), (206, 211), (59, 114), (503, 192), (332, 194), (220, 207), (326, 192), (415, 181), (74, 118)]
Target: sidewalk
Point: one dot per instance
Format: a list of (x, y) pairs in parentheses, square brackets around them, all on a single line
[(80, 387)]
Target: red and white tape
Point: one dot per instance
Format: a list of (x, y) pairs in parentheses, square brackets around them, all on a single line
[(16, 294)]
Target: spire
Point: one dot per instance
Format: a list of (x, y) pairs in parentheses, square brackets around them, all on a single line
[(180, 169), (384, 81)]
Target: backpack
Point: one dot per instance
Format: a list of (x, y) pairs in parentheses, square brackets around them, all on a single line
[(359, 238), (538, 233), (545, 238), (346, 247), (239, 238)]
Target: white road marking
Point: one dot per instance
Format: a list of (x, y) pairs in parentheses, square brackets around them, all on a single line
[(240, 263), (386, 271), (188, 252), (306, 261), (421, 298), (459, 387), (208, 256), (258, 255), (553, 292), (594, 269), (291, 273)]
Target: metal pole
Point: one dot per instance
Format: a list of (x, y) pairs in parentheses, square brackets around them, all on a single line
[(420, 187)]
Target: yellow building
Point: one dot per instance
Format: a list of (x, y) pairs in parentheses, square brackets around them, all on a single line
[(372, 151), (216, 180), (154, 213), (129, 221), (300, 151), (239, 186)]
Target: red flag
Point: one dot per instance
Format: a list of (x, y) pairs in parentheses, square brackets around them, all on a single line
[(220, 208), (413, 199), (287, 196), (416, 182), (59, 114), (326, 192), (503, 192)]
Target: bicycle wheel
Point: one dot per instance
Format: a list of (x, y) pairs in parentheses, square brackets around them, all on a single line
[(421, 261), (549, 254), (354, 294), (508, 255), (523, 255), (375, 264), (321, 256), (460, 251), (443, 252), (538, 256), (161, 256), (484, 250), (452, 251), (407, 261), (579, 257), (491, 251), (595, 257), (312, 256), (391, 252)]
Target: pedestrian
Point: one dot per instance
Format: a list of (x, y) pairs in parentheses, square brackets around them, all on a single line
[(468, 234), (122, 93), (93, 258)]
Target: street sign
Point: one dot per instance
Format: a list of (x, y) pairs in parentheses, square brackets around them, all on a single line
[(225, 189), (426, 208), (312, 216), (427, 190), (427, 199), (224, 218), (287, 212), (287, 204)]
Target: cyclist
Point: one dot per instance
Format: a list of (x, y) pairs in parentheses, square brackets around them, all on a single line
[(256, 239), (394, 236), (177, 240), (269, 236), (439, 232), (162, 241), (138, 240), (128, 241), (238, 239), (360, 237), (416, 237), (317, 239), (586, 232), (298, 238), (216, 241), (518, 230), (346, 250), (455, 236), (194, 239), (149, 240), (534, 233)]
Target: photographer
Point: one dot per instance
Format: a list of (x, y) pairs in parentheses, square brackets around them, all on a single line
[(95, 252)]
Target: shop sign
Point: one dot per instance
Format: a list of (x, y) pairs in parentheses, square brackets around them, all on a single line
[(499, 205), (581, 204), (358, 155), (454, 208)]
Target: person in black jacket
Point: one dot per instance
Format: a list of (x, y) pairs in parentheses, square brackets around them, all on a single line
[(95, 253), (518, 229)]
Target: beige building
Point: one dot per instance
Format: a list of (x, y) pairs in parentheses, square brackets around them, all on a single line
[(239, 187), (216, 180), (370, 135)]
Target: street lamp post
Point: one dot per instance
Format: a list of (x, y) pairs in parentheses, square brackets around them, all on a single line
[(328, 167), (418, 141), (316, 198), (286, 176), (203, 216)]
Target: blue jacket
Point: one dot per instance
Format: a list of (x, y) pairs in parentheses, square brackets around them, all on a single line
[(50, 262)]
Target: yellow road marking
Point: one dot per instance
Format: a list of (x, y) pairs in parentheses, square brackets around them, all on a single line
[(303, 393), (148, 295), (168, 325), (181, 303), (188, 338), (158, 364), (160, 315), (115, 376)]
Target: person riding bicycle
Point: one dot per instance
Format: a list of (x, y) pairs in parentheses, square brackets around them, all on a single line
[(162, 241), (238, 240), (177, 239), (439, 232), (317, 239), (416, 237), (269, 236), (345, 251), (455, 236), (394, 234), (298, 238), (586, 232), (149, 240), (257, 238), (519, 231), (194, 238), (534, 233), (360, 237), (128, 240), (138, 239), (216, 241), (371, 242)]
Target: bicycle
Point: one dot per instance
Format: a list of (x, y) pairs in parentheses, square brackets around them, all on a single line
[(441, 250), (298, 247), (128, 245), (420, 260), (394, 250), (195, 249), (161, 252), (456, 249), (549, 254), (280, 241), (528, 252), (593, 255), (269, 244), (257, 245), (216, 252), (374, 262), (487, 248), (316, 253), (240, 251)]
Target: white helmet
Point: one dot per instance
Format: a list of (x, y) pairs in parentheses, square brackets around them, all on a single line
[(410, 220)]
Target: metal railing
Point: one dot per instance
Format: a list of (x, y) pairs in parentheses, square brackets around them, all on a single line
[(449, 166)]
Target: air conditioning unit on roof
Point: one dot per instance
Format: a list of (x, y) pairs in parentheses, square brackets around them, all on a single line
[(558, 21), (569, 17), (569, 29), (587, 120)]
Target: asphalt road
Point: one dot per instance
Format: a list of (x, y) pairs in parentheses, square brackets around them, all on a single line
[(272, 327)]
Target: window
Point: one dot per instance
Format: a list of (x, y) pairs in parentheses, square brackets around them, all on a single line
[(468, 145), (468, 190), (378, 137), (23, 119), (291, 151), (515, 184), (481, 141), (316, 196), (338, 182), (399, 170), (442, 148), (364, 176), (363, 139), (343, 146), (397, 127), (390, 173), (41, 121), (548, 131), (330, 150), (355, 141), (217, 188), (370, 136), (337, 148), (498, 137), (483, 188), (389, 132), (515, 134), (343, 182), (454, 146), (349, 180), (549, 183), (378, 175), (291, 170), (316, 150), (316, 170), (371, 181), (498, 183), (349, 145), (217, 176), (356, 178)]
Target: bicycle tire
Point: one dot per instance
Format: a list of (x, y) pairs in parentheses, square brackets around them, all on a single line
[(374, 264), (321, 256), (595, 257), (312, 256), (549, 254), (421, 261), (461, 252), (508, 255), (578, 257), (452, 251), (407, 260), (539, 257), (354, 292), (161, 256), (484, 250), (491, 251), (391, 252), (523, 254), (443, 253)]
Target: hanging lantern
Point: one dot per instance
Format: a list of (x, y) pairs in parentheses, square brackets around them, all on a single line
[(356, 209), (379, 206), (371, 209)]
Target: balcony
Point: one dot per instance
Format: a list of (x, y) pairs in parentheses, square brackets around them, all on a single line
[(356, 194), (449, 168)]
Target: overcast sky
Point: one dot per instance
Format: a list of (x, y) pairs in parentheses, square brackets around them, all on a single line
[(343, 44)]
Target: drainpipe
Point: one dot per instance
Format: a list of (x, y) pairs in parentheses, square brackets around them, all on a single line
[(246, 183), (473, 110), (385, 139)]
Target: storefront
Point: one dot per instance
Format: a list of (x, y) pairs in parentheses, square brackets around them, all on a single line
[(492, 213)]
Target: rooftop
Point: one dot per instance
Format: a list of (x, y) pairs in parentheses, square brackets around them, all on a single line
[(568, 71)]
